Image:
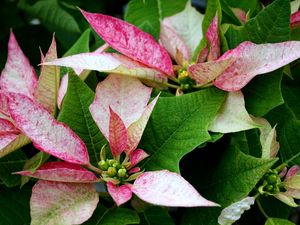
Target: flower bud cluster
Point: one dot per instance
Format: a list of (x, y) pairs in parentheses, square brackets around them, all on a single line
[(271, 183)]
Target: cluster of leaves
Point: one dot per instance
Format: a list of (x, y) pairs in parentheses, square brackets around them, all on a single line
[(232, 134)]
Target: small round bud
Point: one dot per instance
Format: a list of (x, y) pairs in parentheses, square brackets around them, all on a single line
[(269, 188), (116, 165), (122, 173), (111, 171), (111, 162), (272, 179), (103, 165)]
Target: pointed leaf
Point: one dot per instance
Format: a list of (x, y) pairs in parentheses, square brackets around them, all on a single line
[(4, 113), (278, 221), (233, 212), (117, 134), (187, 24), (13, 143), (62, 90), (168, 189), (130, 41), (136, 129), (48, 83), (167, 141), (62, 203), (47, 134), (120, 194), (212, 36), (137, 156), (75, 113), (173, 42), (61, 172), (252, 60), (286, 198), (5, 140), (204, 73), (119, 93), (233, 117), (18, 75)]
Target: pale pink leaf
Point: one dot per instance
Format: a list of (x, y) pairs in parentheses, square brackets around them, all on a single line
[(212, 36), (188, 25), (234, 211), (53, 203), (4, 113), (109, 63), (117, 134), (127, 97), (62, 90), (18, 75), (61, 172), (173, 42), (137, 156), (233, 116), (292, 172), (240, 14), (136, 129), (5, 140), (251, 60), (269, 144), (48, 83), (295, 20), (286, 198), (46, 133), (202, 56), (168, 189), (204, 73), (11, 143), (131, 41), (120, 194)]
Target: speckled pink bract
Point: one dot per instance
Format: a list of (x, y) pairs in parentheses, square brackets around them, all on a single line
[(46, 133), (131, 41)]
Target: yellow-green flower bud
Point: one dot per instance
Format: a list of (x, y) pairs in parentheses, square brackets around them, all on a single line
[(103, 165), (122, 173), (111, 171)]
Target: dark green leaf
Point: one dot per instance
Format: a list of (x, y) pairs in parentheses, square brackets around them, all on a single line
[(12, 163), (15, 205), (263, 93), (156, 216), (81, 45), (117, 216), (201, 216), (278, 221), (269, 26), (75, 113), (51, 14), (146, 14), (177, 126)]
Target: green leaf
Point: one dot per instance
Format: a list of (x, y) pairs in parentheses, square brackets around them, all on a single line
[(51, 14), (156, 216), (277, 221), (15, 205), (177, 126), (12, 163), (235, 176), (289, 139), (147, 14), (263, 93), (271, 25), (81, 45), (201, 216), (117, 216), (75, 113)]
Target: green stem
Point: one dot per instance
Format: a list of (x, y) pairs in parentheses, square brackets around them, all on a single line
[(174, 79), (261, 208), (172, 85), (93, 168), (291, 159), (203, 86)]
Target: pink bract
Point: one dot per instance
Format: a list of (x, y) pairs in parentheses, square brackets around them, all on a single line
[(62, 172), (18, 75), (131, 41), (47, 134), (120, 194)]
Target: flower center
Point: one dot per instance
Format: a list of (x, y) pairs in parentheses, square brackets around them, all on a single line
[(271, 183), (184, 79)]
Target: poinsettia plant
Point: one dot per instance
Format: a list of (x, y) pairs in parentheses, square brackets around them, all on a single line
[(142, 114)]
